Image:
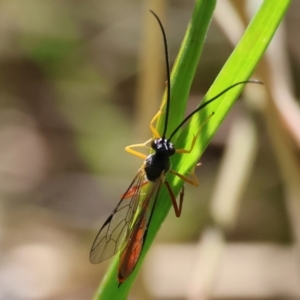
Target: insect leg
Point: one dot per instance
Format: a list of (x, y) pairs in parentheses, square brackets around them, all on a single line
[(152, 128), (155, 118), (192, 179), (184, 151), (130, 150), (144, 145), (177, 208)]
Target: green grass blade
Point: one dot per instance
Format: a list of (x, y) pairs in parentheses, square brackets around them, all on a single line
[(238, 67), (182, 77)]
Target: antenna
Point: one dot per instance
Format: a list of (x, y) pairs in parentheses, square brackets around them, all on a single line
[(168, 74), (209, 101)]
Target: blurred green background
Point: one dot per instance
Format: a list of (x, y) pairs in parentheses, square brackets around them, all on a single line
[(72, 96)]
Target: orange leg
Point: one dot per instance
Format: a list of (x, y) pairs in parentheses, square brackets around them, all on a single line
[(177, 208), (185, 151), (193, 181)]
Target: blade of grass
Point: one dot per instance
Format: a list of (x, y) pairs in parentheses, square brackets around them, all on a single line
[(182, 73), (238, 67)]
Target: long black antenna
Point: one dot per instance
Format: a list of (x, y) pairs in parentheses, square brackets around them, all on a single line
[(168, 73), (209, 101)]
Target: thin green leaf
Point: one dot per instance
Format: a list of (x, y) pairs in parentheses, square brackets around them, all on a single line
[(238, 67)]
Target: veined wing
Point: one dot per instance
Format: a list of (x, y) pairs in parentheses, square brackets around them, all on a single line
[(137, 236), (112, 235)]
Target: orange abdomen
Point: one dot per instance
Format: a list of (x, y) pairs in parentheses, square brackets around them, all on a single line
[(130, 255)]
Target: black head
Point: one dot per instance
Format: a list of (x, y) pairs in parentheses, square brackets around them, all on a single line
[(163, 147)]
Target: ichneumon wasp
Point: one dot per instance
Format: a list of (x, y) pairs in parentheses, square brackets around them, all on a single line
[(126, 228)]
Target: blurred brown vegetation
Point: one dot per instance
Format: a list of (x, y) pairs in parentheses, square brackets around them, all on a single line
[(69, 80)]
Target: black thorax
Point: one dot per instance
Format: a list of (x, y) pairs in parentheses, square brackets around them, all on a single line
[(158, 163)]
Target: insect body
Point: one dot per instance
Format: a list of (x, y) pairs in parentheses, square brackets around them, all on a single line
[(159, 162), (126, 228)]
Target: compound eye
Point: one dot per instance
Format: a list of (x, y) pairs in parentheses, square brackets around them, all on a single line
[(153, 144), (171, 149)]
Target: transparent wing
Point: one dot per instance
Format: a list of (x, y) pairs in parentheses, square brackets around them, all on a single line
[(134, 244), (112, 235)]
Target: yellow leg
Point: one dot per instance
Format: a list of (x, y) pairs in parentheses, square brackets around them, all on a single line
[(152, 128), (144, 145), (184, 151), (192, 179), (130, 150)]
